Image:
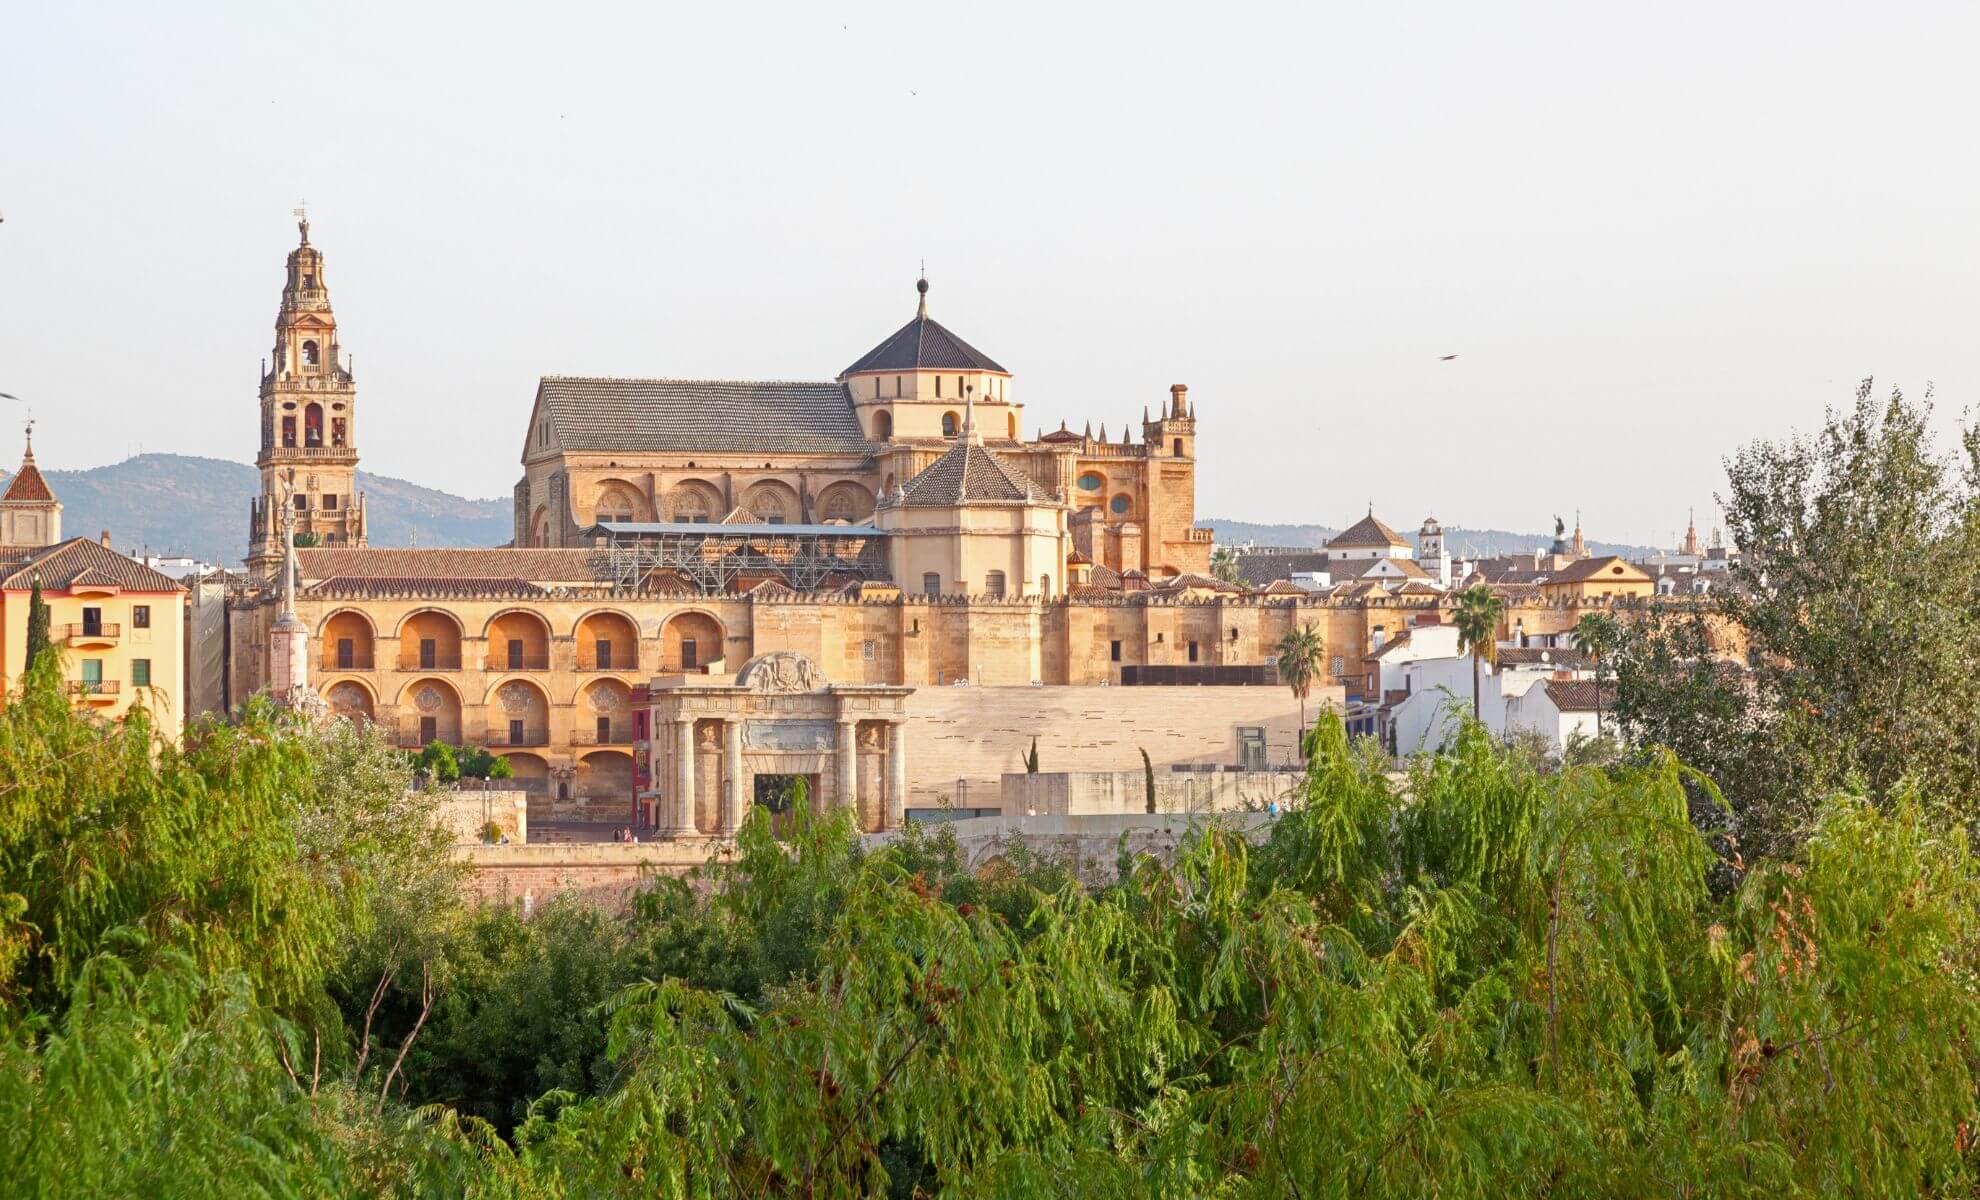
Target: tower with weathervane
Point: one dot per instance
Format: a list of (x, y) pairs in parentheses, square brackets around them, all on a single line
[(308, 456)]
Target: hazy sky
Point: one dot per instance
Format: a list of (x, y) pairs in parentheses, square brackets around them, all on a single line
[(1650, 231)]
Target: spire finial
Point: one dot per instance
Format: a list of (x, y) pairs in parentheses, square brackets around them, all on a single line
[(302, 219), (29, 456), (969, 433), (921, 286)]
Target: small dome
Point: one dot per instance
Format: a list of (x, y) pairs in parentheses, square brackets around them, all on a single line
[(1430, 526)]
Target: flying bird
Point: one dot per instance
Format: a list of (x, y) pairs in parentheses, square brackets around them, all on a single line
[(1446, 357)]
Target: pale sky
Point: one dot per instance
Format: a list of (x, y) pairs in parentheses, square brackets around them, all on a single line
[(1650, 232)]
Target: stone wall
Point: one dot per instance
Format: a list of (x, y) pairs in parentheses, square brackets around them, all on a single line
[(1090, 845), (468, 812), (602, 873), (963, 740), (1061, 793)]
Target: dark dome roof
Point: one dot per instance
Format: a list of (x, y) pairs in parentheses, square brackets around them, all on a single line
[(923, 344)]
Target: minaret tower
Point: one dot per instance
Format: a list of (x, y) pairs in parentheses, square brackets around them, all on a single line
[(308, 456)]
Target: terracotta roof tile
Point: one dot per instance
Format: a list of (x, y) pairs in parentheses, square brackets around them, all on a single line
[(28, 487), (1591, 568), (377, 586), (1368, 531), (537, 566), (86, 561), (1579, 695)]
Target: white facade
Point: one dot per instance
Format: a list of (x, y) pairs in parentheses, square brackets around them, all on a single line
[(1511, 698)]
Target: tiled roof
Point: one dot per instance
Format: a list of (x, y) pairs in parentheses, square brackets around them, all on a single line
[(28, 486), (1564, 658), (1579, 695), (1282, 587), (1191, 581), (83, 560), (1260, 569), (1368, 531), (706, 415), (970, 474), (538, 566), (923, 344), (378, 586), (1591, 568)]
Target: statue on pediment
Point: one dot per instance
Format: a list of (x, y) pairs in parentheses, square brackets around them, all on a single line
[(781, 671)]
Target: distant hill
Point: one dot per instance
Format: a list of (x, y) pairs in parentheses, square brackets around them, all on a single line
[(1462, 543), (178, 504)]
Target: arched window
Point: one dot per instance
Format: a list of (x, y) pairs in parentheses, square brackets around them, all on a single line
[(1045, 585), (1014, 431), (288, 431), (950, 423), (1179, 452), (313, 425), (931, 584), (993, 583), (883, 425), (309, 353)]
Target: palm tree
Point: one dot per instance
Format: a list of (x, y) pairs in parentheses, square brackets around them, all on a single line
[(1595, 635), (1299, 654), (1477, 621), (1224, 565)]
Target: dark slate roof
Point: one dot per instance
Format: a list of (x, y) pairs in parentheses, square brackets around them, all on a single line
[(83, 560), (1257, 570), (970, 474), (1368, 531), (705, 415), (924, 344), (381, 586)]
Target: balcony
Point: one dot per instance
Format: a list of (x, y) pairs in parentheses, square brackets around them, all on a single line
[(529, 737), (519, 662), (91, 633), (95, 691), (591, 737), (408, 738), (316, 452), (347, 662), (619, 662)]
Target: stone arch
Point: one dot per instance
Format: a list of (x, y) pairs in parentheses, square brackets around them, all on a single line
[(605, 775), (694, 500), (883, 425), (951, 424), (352, 699), (313, 424), (1013, 426), (603, 713), (518, 712), (618, 500), (539, 526), (774, 501), (532, 772), (518, 640), (352, 626), (429, 710), (845, 501), (690, 641), (607, 640), (430, 640)]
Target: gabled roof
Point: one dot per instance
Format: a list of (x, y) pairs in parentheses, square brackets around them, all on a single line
[(1368, 531), (706, 415), (924, 344), (1191, 581), (80, 560), (970, 474), (1605, 567), (1565, 658), (1256, 569)]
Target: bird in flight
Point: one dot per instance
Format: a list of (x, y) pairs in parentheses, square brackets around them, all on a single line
[(1446, 357)]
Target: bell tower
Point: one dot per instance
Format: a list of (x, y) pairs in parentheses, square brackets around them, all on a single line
[(308, 456)]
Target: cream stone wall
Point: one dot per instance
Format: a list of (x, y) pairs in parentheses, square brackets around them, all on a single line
[(118, 643)]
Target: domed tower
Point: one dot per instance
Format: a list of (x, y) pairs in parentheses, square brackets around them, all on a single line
[(308, 457), (916, 384)]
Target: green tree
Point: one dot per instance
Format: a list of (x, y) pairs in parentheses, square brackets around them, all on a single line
[(38, 633), (307, 541), (1479, 610), (1597, 636), (1298, 656), (501, 768), (1031, 758), (1224, 565), (1854, 595), (437, 760)]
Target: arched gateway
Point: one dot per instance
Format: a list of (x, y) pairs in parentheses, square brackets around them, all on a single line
[(716, 746)]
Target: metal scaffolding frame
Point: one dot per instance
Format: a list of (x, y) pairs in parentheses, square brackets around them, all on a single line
[(711, 558)]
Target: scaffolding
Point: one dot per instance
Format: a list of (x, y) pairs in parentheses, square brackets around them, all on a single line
[(713, 559)]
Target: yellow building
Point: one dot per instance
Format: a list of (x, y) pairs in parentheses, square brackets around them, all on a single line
[(1598, 580)]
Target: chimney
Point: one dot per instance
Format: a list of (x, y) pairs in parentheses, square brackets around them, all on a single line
[(1178, 396), (105, 539)]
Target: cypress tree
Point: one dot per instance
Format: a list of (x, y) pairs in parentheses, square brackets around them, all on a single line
[(38, 640)]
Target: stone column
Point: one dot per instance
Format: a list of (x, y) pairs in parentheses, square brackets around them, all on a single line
[(732, 773), (848, 764), (683, 797), (896, 776)]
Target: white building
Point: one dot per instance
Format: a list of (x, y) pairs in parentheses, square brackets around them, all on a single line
[(1437, 688)]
